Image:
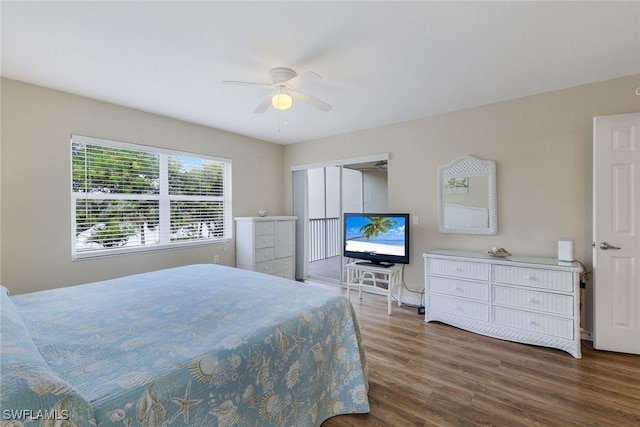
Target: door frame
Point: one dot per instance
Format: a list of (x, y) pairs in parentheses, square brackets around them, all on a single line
[(300, 201)]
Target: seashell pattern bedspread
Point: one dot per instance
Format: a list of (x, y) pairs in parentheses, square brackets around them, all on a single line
[(200, 345)]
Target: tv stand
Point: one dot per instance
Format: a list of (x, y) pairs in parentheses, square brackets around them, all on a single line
[(360, 272), (376, 264)]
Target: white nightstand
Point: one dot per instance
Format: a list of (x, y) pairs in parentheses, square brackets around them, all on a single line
[(358, 273)]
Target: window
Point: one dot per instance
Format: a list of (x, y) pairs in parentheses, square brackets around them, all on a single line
[(128, 198)]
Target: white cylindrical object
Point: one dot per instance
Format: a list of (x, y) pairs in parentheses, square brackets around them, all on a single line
[(565, 249)]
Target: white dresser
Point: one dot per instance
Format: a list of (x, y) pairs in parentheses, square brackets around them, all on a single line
[(522, 299), (266, 244)]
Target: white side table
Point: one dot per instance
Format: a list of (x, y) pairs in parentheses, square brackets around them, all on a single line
[(357, 274)]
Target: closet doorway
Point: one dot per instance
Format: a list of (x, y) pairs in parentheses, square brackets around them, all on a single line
[(322, 194)]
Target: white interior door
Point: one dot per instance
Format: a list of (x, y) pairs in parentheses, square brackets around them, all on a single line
[(616, 233)]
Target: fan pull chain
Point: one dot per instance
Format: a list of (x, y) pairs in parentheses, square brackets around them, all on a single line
[(280, 122)]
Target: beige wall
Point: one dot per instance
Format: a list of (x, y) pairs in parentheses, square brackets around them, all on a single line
[(542, 146), (35, 181)]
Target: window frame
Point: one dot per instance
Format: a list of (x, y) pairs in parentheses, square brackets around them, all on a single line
[(164, 200)]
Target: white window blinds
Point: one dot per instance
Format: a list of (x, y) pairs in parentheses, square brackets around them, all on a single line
[(130, 198)]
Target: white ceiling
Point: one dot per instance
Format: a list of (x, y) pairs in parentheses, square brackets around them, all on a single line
[(381, 62)]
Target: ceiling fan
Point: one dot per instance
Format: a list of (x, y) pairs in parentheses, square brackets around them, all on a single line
[(284, 87)]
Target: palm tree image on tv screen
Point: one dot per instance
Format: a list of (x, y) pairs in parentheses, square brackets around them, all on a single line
[(375, 235)]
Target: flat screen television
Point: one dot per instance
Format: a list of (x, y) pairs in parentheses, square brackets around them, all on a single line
[(381, 239)]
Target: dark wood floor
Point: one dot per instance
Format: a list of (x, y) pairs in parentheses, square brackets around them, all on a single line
[(430, 374)]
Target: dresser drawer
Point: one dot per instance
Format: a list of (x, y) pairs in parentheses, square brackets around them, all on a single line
[(275, 266), (534, 322), (266, 267), (265, 241), (264, 227), (285, 274), (283, 267), (464, 269), (283, 264), (265, 254), (459, 288), (459, 307), (533, 300), (533, 277)]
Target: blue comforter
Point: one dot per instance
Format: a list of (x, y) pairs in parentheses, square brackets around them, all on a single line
[(201, 345)]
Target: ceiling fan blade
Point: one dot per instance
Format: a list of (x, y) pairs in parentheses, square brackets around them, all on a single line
[(294, 81), (314, 102), (266, 103), (234, 82)]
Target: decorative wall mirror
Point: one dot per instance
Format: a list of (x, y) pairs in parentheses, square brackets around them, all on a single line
[(467, 200)]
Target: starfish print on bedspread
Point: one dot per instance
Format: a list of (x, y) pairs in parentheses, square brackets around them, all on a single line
[(184, 403)]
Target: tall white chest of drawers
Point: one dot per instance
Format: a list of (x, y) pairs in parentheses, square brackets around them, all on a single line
[(266, 245), (522, 299)]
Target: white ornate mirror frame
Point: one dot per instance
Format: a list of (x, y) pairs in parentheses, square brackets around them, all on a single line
[(465, 167)]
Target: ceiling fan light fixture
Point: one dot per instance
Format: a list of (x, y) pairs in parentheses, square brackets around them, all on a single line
[(281, 101)]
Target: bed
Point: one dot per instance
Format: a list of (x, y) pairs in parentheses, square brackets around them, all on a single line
[(200, 345)]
